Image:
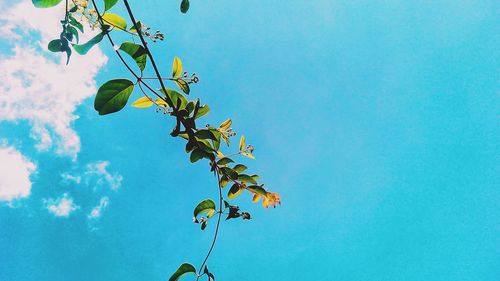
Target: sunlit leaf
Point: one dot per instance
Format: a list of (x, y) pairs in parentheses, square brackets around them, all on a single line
[(113, 95), (176, 67), (114, 20), (202, 111), (176, 98), (256, 197), (248, 154), (246, 178), (220, 154), (234, 191), (225, 125), (46, 3), (229, 172), (224, 161), (256, 189), (242, 142), (137, 52), (161, 102), (108, 4), (239, 168), (183, 269), (142, 102), (205, 206), (183, 85)]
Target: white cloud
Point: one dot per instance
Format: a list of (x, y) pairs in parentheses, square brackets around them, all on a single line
[(62, 206), (98, 170), (67, 177), (38, 89), (97, 210), (15, 172)]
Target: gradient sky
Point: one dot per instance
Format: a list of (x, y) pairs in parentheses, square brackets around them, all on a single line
[(376, 121)]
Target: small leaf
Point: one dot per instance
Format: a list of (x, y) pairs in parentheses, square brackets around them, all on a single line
[(108, 4), (202, 111), (142, 102), (205, 134), (176, 67), (242, 143), (229, 172), (205, 206), (198, 154), (85, 48), (73, 31), (256, 189), (240, 168), (183, 269), (183, 85), (115, 20), (47, 3), (234, 191), (184, 6), (75, 23), (55, 45), (225, 125), (246, 178), (137, 52), (248, 154), (113, 95), (224, 161), (246, 215)]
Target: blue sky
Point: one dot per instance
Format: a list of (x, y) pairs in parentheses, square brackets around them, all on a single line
[(376, 121)]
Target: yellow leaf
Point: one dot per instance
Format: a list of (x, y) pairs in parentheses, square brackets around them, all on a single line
[(114, 20), (183, 85), (225, 138), (225, 125), (210, 213), (161, 102), (242, 142), (220, 154), (256, 197), (176, 67), (142, 102), (249, 155)]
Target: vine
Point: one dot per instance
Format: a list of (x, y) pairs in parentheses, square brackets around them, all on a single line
[(201, 143)]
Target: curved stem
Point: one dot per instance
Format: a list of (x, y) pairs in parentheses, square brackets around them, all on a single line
[(219, 215)]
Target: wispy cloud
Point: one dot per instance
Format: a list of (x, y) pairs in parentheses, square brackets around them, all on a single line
[(62, 206), (98, 171), (96, 212), (37, 88), (15, 172)]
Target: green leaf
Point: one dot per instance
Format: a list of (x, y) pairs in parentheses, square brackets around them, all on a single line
[(133, 29), (45, 3), (113, 96), (224, 161), (115, 20), (205, 134), (246, 178), (202, 111), (108, 4), (183, 269), (239, 168), (75, 23), (85, 48), (205, 206), (184, 6), (234, 191), (183, 85), (198, 154), (73, 31), (55, 45), (175, 97), (257, 189), (229, 172), (137, 52)]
